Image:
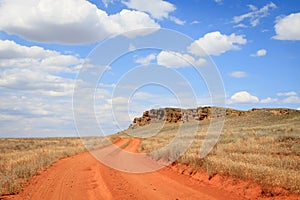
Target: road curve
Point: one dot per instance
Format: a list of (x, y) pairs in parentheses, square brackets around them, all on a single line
[(82, 177)]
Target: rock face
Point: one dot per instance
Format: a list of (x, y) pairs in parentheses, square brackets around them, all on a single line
[(177, 115)]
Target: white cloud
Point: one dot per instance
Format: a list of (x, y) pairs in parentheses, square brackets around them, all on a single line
[(176, 60), (158, 9), (238, 74), (144, 95), (286, 94), (145, 60), (298, 108), (35, 98), (287, 28), (131, 47), (289, 98), (106, 2), (252, 7), (24, 106), (241, 26), (215, 43), (49, 21), (117, 101), (218, 1), (243, 97), (255, 15), (34, 80), (104, 85), (269, 100), (292, 99), (176, 20), (9, 49), (28, 114), (16, 55), (259, 53), (195, 22)]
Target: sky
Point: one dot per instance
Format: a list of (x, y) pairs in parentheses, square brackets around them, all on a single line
[(72, 64)]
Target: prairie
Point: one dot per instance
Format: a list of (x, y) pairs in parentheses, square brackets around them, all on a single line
[(22, 158), (262, 146)]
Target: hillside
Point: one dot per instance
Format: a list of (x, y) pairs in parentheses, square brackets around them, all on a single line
[(177, 115), (260, 145)]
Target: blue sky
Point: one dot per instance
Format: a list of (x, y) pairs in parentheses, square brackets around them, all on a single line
[(44, 44)]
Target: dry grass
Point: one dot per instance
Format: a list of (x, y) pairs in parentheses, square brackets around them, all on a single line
[(20, 158), (259, 146)]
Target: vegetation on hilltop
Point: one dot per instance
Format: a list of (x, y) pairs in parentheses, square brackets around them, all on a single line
[(262, 145)]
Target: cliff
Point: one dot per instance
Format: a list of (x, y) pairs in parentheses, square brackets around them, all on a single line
[(177, 115)]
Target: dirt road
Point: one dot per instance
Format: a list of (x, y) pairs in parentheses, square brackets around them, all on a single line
[(83, 177)]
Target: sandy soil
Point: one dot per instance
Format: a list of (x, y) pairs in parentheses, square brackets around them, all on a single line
[(84, 177)]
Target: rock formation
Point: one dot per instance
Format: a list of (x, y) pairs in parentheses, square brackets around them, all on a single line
[(177, 115)]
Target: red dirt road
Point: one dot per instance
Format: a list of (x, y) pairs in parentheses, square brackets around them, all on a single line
[(82, 177)]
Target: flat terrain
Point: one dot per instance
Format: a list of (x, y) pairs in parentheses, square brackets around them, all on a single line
[(22, 158), (84, 177)]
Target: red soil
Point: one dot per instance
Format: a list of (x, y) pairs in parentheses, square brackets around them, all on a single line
[(84, 177)]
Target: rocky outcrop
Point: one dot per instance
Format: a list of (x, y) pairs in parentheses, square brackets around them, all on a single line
[(177, 115)]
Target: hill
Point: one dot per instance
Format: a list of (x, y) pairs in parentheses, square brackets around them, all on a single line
[(176, 115), (260, 145)]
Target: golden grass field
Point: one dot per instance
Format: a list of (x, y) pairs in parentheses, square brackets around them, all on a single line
[(260, 146), (21, 158)]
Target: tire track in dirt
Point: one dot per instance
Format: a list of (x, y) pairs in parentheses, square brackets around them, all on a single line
[(83, 177)]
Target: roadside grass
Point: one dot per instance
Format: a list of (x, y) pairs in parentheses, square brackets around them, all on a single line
[(260, 146), (22, 158)]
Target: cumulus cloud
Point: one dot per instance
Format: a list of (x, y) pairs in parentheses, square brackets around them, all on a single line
[(158, 9), (259, 53), (47, 21), (238, 74), (29, 114), (33, 68), (243, 97), (255, 15), (287, 28), (26, 79), (177, 60), (215, 43), (36, 87), (9, 49), (145, 60), (16, 55)]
